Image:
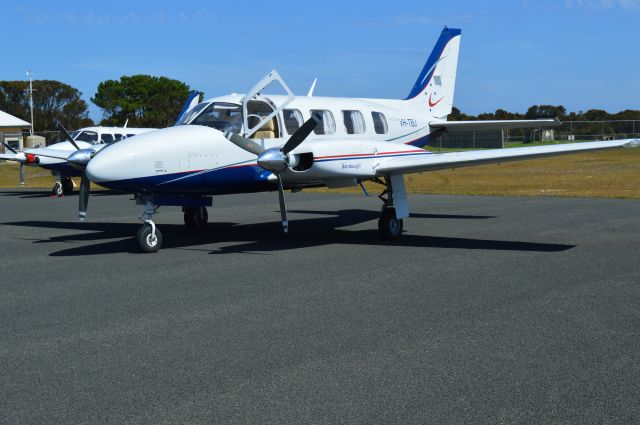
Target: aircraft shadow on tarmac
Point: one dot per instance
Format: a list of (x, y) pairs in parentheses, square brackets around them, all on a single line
[(267, 236), (44, 193)]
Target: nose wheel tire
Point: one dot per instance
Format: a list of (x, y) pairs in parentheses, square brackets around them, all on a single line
[(57, 191), (390, 227), (196, 218), (147, 241)]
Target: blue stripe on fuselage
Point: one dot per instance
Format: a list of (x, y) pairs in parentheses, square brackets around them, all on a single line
[(244, 179)]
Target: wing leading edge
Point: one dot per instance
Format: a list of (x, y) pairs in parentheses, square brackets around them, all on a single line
[(416, 164), (464, 126)]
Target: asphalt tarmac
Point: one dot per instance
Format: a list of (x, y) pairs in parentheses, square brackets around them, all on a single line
[(487, 310)]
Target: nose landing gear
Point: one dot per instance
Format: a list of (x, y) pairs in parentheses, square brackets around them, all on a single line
[(149, 236), (63, 186)]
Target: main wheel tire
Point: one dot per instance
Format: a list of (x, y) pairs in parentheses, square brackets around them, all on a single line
[(390, 227), (146, 241), (67, 186), (193, 220)]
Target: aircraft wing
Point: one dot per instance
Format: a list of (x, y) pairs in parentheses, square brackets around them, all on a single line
[(464, 126), (50, 153), (419, 163)]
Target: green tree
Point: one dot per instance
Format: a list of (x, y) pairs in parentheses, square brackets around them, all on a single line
[(144, 100), (51, 100), (546, 111)]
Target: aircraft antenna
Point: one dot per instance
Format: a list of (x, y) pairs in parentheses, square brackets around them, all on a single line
[(313, 87)]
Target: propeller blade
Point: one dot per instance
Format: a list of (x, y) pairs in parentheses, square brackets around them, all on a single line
[(6, 145), (21, 174), (302, 133), (248, 145), (283, 206), (66, 133), (83, 196)]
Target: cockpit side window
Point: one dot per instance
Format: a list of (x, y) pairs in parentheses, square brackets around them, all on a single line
[(221, 116), (190, 114), (87, 136)]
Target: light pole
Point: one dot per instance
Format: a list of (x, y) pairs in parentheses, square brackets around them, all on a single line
[(30, 74)]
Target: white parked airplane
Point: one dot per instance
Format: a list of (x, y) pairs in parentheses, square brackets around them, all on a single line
[(54, 157), (258, 142)]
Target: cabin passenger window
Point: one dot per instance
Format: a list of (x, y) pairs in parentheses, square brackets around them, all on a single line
[(327, 124), (118, 137), (130, 135), (107, 138), (379, 123), (292, 120), (353, 122)]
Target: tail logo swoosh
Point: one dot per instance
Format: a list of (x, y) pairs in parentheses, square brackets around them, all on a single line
[(432, 104)]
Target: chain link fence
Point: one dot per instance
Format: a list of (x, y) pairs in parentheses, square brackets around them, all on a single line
[(569, 131)]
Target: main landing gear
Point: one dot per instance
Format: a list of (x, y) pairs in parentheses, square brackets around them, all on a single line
[(394, 207), (195, 218)]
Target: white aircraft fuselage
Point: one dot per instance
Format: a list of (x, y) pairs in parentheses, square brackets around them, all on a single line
[(199, 159)]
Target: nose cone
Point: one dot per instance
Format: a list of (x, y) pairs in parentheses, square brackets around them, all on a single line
[(111, 165), (146, 161)]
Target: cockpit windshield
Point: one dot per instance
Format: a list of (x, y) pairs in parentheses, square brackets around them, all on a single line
[(75, 134), (191, 113), (221, 116), (86, 136)]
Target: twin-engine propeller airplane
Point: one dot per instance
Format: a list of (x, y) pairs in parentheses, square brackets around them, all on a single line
[(258, 142), (55, 157)]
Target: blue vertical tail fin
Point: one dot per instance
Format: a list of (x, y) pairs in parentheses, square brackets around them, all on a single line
[(435, 86)]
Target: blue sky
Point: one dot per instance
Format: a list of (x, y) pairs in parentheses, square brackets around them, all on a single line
[(582, 54)]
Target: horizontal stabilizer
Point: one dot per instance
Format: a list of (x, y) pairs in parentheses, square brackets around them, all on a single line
[(464, 126)]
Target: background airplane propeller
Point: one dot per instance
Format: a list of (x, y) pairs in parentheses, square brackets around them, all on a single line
[(15, 152), (276, 160)]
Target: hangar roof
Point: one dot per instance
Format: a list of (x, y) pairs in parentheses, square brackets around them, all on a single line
[(7, 120)]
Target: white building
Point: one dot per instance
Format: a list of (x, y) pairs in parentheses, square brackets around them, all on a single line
[(11, 131)]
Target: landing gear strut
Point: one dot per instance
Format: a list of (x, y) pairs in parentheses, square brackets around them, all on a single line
[(149, 237), (195, 218), (394, 207)]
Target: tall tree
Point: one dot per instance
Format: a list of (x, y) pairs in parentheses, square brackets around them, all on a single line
[(144, 100), (51, 99)]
